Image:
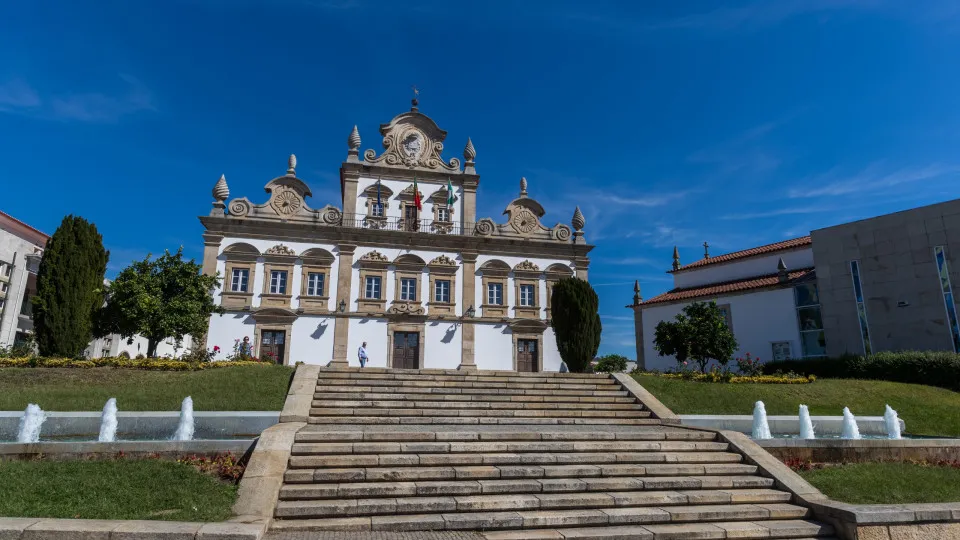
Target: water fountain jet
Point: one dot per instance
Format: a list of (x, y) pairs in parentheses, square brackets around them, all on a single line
[(850, 429), (108, 422), (185, 427), (761, 428), (806, 425), (892, 420), (30, 424)]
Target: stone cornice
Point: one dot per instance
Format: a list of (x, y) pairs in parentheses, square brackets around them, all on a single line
[(318, 233)]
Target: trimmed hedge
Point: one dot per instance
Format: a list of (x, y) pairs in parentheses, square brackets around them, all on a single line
[(155, 364), (932, 368)]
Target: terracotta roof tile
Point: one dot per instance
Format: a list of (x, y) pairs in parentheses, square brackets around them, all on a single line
[(752, 252), (739, 285)]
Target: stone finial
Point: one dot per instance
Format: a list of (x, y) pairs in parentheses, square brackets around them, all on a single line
[(523, 186), (706, 250), (469, 152), (676, 258), (637, 297), (782, 274), (292, 165), (221, 191), (353, 141), (578, 220)]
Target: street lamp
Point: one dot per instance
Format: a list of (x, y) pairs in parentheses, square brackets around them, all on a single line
[(470, 312), (343, 306)]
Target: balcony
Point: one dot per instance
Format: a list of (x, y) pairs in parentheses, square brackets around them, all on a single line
[(428, 226)]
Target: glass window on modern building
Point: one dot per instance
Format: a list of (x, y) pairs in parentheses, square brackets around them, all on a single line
[(861, 307), (813, 342), (940, 255)]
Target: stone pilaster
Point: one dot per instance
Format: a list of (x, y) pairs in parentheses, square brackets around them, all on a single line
[(211, 248), (470, 200), (467, 360), (341, 325), (349, 180), (581, 264)]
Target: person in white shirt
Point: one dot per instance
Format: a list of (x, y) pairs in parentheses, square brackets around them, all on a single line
[(362, 353)]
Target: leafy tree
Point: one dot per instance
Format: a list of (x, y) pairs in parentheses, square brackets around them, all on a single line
[(611, 363), (576, 322), (699, 333), (69, 288), (160, 298)]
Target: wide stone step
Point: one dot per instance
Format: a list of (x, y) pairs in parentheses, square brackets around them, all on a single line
[(457, 411), (467, 420), (429, 383), (571, 378), (647, 433), (748, 530), (450, 391), (687, 471), (441, 513), (523, 485), (509, 458), (345, 394), (427, 404), (505, 446)]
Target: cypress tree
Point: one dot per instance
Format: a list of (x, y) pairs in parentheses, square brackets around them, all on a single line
[(69, 288), (576, 322)]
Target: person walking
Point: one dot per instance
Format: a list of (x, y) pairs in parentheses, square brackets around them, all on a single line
[(362, 354)]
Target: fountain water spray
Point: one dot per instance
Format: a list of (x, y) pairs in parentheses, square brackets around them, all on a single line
[(806, 426), (108, 421), (761, 429), (892, 420), (850, 429), (30, 423), (185, 428)]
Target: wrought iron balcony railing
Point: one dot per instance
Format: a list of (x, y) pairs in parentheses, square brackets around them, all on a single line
[(429, 226)]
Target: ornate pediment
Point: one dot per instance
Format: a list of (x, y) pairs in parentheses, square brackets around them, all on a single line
[(406, 194), (523, 221), (412, 140), (527, 266), (281, 249), (375, 256), (443, 260), (287, 202)]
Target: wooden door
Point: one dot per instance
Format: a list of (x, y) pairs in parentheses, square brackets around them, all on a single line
[(406, 350), (411, 221), (527, 355), (272, 344)]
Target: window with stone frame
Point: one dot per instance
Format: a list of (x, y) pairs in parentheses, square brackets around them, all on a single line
[(554, 273), (410, 215), (526, 279), (494, 276), (443, 285), (377, 213), (442, 210), (408, 269), (278, 263), (373, 276), (240, 263), (315, 280)]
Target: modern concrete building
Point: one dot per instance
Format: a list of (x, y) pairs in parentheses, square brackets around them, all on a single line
[(401, 263), (21, 247), (879, 284)]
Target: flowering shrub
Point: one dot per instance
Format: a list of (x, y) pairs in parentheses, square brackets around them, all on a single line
[(225, 466), (750, 366), (157, 364), (724, 376)]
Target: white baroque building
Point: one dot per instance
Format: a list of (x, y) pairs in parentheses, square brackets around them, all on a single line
[(425, 287)]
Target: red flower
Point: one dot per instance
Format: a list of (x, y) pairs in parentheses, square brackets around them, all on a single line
[(216, 348)]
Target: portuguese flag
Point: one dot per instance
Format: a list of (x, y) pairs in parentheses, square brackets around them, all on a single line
[(416, 195)]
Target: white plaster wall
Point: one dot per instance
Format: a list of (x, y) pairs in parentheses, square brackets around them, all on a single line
[(493, 347), (393, 203), (389, 288), (759, 319), (166, 348), (551, 354), (13, 251), (510, 293), (754, 266), (294, 281), (444, 340), (226, 328), (312, 340), (374, 332)]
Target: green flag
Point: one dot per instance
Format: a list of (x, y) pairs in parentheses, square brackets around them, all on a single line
[(449, 193)]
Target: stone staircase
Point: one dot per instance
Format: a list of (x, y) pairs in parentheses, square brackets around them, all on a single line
[(518, 455)]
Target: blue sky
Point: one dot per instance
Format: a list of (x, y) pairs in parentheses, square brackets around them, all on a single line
[(669, 123)]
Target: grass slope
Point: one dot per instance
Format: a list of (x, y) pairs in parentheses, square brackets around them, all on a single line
[(887, 483), (925, 409), (121, 489), (247, 388)]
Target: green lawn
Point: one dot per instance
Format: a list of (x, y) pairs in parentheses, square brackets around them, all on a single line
[(887, 483), (116, 489), (925, 409), (246, 388)]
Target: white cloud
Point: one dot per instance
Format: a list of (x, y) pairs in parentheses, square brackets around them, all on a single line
[(19, 97), (873, 178), (17, 94), (779, 212)]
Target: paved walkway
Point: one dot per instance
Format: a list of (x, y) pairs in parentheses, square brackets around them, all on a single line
[(379, 535)]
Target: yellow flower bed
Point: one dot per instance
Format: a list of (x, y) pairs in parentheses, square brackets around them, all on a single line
[(737, 379), (158, 364)]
